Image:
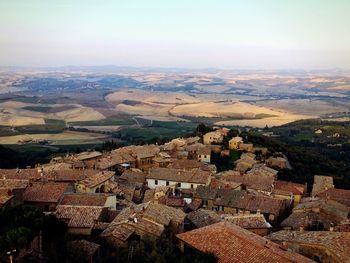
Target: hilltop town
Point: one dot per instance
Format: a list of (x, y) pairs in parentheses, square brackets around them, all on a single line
[(137, 200)]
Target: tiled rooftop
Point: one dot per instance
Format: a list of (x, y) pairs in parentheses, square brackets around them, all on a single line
[(196, 176), (232, 243), (88, 155), (340, 195), (154, 215), (80, 216), (203, 217), (321, 184), (87, 247), (80, 199), (289, 187), (71, 175), (97, 178), (336, 243), (148, 217), (5, 196), (13, 183), (252, 221), (25, 174), (256, 179), (44, 192), (134, 176)]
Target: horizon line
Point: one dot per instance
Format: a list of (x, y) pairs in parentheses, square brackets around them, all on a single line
[(52, 67)]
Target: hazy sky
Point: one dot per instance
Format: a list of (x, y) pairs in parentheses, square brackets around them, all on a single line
[(244, 34)]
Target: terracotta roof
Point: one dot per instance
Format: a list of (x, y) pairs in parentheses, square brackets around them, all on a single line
[(19, 174), (185, 164), (140, 151), (5, 196), (206, 192), (106, 163), (148, 196), (256, 179), (142, 224), (44, 192), (194, 147), (232, 243), (305, 219), (261, 169), (71, 175), (330, 207), (340, 195), (203, 217), (134, 176), (100, 225), (288, 187), (335, 243), (97, 178), (266, 204), (172, 201), (80, 216), (57, 166), (120, 232), (321, 184), (230, 198), (222, 183), (88, 155), (82, 199), (204, 151), (13, 183), (194, 205), (148, 217), (127, 189), (87, 247), (157, 214), (344, 226), (191, 165), (169, 174), (251, 221), (191, 140)]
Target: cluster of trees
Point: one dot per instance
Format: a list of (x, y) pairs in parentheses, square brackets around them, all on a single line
[(10, 158), (306, 161), (149, 250), (21, 224)]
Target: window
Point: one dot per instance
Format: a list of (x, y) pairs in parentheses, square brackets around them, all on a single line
[(192, 186), (205, 156), (156, 182), (167, 182), (178, 184)]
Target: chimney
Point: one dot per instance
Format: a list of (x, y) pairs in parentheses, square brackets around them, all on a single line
[(301, 229), (258, 212), (284, 245), (331, 227)]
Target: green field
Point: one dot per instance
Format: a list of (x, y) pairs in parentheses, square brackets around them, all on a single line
[(115, 120), (27, 99), (264, 115), (38, 108), (50, 126), (156, 129)]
